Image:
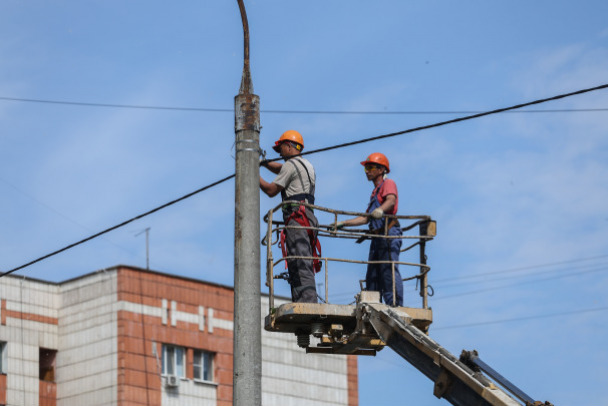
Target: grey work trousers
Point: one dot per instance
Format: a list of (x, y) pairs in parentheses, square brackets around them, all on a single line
[(301, 272)]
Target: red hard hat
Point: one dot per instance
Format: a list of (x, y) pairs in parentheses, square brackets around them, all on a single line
[(289, 135), (378, 159)]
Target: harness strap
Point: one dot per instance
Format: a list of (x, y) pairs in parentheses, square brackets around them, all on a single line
[(283, 246), (374, 196), (300, 217), (301, 197), (308, 196), (311, 185)]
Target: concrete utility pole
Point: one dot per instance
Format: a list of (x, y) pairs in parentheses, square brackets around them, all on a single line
[(247, 306)]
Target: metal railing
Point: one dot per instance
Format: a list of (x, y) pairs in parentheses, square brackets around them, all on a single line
[(425, 226)]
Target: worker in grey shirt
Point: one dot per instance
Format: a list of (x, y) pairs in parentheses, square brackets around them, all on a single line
[(296, 182)]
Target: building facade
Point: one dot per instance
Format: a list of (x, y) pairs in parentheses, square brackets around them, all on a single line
[(127, 336)]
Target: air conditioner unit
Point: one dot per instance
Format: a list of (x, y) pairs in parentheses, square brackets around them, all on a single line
[(172, 381)]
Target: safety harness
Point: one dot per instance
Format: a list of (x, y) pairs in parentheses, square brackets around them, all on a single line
[(299, 216), (376, 226)]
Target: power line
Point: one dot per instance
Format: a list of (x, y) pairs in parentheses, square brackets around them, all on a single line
[(437, 283), (561, 96), (523, 268), (388, 361), (122, 106), (437, 296), (457, 120), (107, 230), (57, 212), (574, 272), (271, 111), (541, 316), (528, 282)]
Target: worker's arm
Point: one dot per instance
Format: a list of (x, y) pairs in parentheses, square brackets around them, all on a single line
[(271, 189), (274, 167), (357, 221), (389, 203)]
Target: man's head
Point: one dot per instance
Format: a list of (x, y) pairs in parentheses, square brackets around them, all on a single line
[(289, 144), (376, 165)]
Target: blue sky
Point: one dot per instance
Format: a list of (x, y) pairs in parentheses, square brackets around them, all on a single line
[(520, 198)]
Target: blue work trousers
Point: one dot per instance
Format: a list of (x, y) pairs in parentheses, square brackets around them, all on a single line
[(379, 277)]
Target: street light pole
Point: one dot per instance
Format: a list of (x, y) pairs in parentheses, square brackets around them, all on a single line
[(247, 306)]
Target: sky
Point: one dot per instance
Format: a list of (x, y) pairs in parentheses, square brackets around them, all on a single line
[(519, 265)]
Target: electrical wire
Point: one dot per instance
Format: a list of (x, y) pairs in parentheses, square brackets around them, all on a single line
[(457, 120), (541, 316), (343, 145), (332, 112), (440, 285), (526, 282), (519, 269), (529, 279), (124, 223), (383, 358), (57, 212), (507, 277)]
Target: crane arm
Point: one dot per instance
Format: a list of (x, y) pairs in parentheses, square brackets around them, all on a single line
[(454, 380)]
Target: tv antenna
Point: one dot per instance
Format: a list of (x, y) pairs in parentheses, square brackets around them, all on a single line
[(147, 231)]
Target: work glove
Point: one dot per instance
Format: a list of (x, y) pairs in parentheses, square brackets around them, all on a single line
[(378, 213), (337, 226)]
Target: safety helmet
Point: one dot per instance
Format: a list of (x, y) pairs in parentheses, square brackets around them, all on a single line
[(378, 159), (292, 136)]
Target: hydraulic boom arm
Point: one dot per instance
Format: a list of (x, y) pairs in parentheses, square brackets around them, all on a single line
[(454, 380)]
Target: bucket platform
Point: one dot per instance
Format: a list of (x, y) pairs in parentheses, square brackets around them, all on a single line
[(343, 328), (340, 329)]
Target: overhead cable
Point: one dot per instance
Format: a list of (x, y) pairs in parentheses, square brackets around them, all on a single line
[(57, 212), (347, 144), (124, 223), (457, 120), (271, 111), (576, 271), (519, 269), (540, 316), (576, 274)]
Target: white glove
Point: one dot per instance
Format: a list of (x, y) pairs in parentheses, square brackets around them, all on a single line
[(378, 213)]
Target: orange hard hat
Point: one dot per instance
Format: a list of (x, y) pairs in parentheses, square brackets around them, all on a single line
[(292, 136), (378, 159)]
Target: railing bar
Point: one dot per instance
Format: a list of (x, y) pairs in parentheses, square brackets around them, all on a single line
[(410, 247), (344, 212), (348, 233), (352, 261), (326, 282), (270, 267), (357, 235), (394, 285)]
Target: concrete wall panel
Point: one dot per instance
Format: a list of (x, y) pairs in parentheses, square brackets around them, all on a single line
[(189, 393), (104, 322)]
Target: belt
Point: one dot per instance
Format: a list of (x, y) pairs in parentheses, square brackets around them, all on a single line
[(377, 231)]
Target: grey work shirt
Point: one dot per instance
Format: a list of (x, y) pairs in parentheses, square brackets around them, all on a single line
[(293, 178)]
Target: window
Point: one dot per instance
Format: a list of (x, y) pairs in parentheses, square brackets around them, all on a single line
[(174, 359), (47, 364), (203, 365), (3, 357)]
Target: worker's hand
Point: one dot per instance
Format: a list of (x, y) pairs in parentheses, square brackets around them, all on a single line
[(378, 213), (264, 163), (337, 226)]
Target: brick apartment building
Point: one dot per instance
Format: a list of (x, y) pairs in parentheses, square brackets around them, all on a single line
[(126, 336)]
